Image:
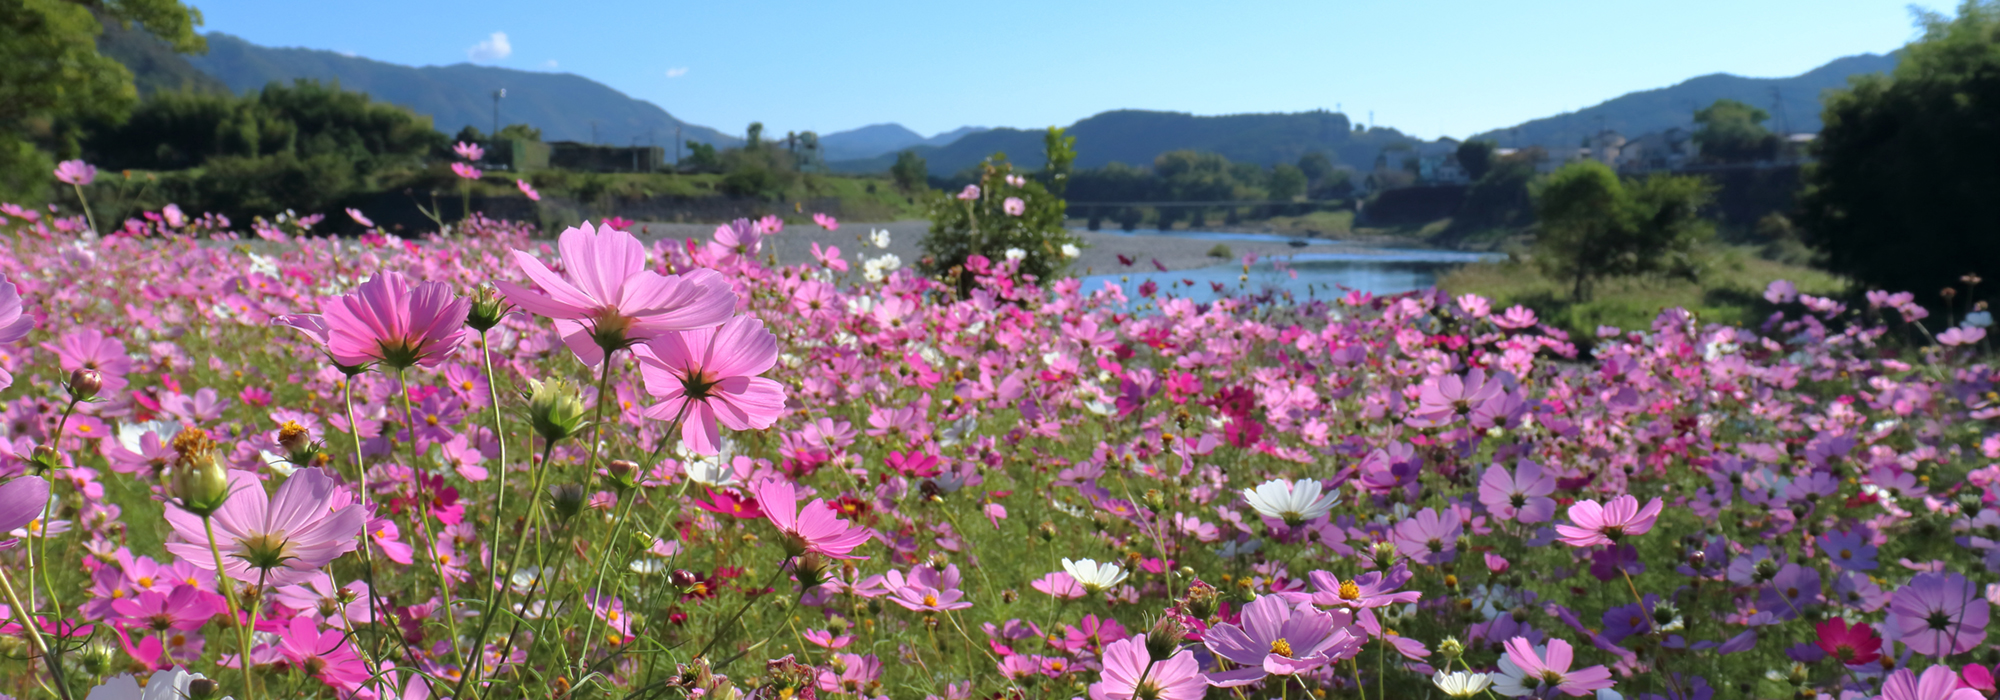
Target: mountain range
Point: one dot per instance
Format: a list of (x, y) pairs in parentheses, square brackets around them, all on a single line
[(569, 107), (1794, 104)]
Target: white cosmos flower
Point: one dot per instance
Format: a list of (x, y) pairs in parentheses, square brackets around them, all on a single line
[(1069, 250), (711, 473), (879, 237), (1016, 254), (1461, 684), (165, 685), (1293, 502), (1094, 577)]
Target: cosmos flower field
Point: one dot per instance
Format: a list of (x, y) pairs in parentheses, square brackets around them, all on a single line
[(251, 462)]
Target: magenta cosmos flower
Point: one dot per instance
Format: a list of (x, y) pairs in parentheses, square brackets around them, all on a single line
[(1129, 672), (812, 528), (21, 501), (388, 320), (14, 323), (310, 521), (1273, 638), (1940, 613), (609, 300), (1592, 523), (708, 376)]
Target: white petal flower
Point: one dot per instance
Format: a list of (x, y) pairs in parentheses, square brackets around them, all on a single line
[(1094, 577), (1069, 250), (1016, 254), (1461, 684), (879, 237), (1293, 502)]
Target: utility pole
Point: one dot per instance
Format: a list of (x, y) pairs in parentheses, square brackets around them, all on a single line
[(497, 94)]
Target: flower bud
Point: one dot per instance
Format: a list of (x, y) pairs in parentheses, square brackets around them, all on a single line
[(1047, 531), (96, 658), (45, 459), (811, 571), (1165, 636), (84, 384), (1202, 600), (555, 409), (1697, 559), (682, 580), (624, 473), (1009, 595), (200, 481), (567, 500), (486, 310), (203, 689), (1156, 499), (1767, 569), (1451, 648)]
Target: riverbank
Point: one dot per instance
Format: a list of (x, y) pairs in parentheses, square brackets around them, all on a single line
[(1173, 250)]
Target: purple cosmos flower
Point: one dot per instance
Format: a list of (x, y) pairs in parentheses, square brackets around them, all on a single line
[(1429, 538), (1521, 496), (1443, 399), (1273, 638), (1939, 613), (1937, 683), (1605, 524), (310, 521), (1371, 590), (1850, 549)]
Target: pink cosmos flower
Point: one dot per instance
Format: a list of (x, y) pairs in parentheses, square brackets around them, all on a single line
[(856, 674), (814, 527), (1130, 672), (386, 320), (1524, 672), (358, 218), (609, 300), (827, 639), (1605, 524), (529, 190), (89, 349), (310, 521), (1059, 584), (22, 501), (1937, 683), (468, 151), (708, 376), (1274, 638), (466, 171), (76, 172), (1014, 206), (970, 192), (14, 325), (322, 654), (186, 609), (1962, 336), (826, 221), (1445, 398), (735, 242), (1940, 613), (926, 589), (1522, 496)]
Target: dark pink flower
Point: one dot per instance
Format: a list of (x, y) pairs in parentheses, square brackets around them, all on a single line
[(706, 378), (391, 321)]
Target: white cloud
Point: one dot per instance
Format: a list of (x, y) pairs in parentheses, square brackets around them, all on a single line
[(676, 72), (494, 48), (551, 63), (349, 54)]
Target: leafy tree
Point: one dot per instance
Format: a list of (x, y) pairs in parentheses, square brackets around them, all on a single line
[(1733, 132), (1902, 197), (910, 171), (1316, 166), (521, 132), (701, 158), (1193, 176), (469, 134), (1476, 157), (1595, 226), (1287, 183), (764, 173), (1500, 196), (962, 228), (52, 79), (754, 139)]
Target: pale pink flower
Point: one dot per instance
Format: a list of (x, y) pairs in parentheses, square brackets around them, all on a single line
[(285, 537), (1966, 335), (358, 218), (469, 151), (466, 171), (1014, 206), (529, 190), (1607, 523), (970, 192), (826, 221), (76, 172)]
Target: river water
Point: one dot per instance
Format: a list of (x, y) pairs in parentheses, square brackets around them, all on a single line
[(1306, 274)]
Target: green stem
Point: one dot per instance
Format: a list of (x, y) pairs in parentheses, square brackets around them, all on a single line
[(475, 660), (513, 564), (27, 618), (747, 600), (597, 421), (229, 596), (87, 216), (424, 519), (618, 527)]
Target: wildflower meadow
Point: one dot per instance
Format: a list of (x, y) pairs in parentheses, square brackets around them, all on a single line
[(256, 462)]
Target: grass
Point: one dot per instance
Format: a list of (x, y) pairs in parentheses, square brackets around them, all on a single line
[(1731, 292)]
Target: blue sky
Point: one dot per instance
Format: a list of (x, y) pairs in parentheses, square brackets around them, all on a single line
[(1428, 67)]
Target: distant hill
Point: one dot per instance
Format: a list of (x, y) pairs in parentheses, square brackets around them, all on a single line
[(883, 139), (155, 66), (1658, 110), (1135, 137), (563, 105)]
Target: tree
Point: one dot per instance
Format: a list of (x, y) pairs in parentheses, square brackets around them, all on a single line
[(520, 132), (1595, 226), (701, 158), (1902, 196), (1500, 198), (53, 80), (1316, 166), (910, 171), (1476, 157), (1287, 183), (963, 228), (755, 136), (1732, 132)]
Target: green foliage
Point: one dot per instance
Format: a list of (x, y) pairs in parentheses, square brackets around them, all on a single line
[(701, 158), (909, 172), (961, 228), (1499, 198), (754, 138), (520, 132), (1286, 183), (1595, 226), (1902, 197), (266, 185), (52, 78), (1476, 157), (1316, 166), (763, 173), (1732, 132)]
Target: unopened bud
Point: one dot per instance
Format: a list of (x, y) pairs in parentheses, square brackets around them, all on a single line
[(1202, 600), (1451, 648), (1047, 531), (200, 481), (203, 689), (1165, 637), (1767, 569), (624, 473), (555, 409), (486, 310), (1697, 559), (45, 459), (567, 500), (84, 384), (1156, 499)]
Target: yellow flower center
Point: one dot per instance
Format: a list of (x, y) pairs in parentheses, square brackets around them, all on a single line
[(1349, 590), (930, 600), (1281, 647)]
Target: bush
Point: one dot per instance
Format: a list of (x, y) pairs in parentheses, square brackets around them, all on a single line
[(963, 226)]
